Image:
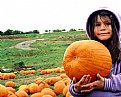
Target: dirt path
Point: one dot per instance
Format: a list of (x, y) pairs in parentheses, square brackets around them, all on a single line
[(26, 45)]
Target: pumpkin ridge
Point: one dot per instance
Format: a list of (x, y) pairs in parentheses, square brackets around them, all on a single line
[(93, 77), (106, 68), (92, 71)]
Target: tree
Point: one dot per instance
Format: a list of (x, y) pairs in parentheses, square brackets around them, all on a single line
[(46, 30), (36, 31), (57, 30), (72, 30), (8, 32), (1, 33), (63, 30), (16, 32)]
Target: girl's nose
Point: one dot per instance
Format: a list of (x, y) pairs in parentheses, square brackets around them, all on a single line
[(102, 27)]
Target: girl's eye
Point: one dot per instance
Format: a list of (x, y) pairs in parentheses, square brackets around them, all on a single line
[(97, 24), (107, 23)]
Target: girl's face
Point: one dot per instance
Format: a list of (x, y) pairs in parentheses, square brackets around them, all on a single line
[(103, 28)]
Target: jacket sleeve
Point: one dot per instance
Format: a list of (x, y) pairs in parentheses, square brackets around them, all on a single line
[(73, 93), (113, 83)]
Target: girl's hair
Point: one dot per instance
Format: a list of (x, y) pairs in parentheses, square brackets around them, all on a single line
[(113, 44)]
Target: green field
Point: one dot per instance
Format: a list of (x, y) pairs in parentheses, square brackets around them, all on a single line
[(49, 53)]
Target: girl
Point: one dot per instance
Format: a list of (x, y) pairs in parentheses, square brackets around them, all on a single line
[(103, 25)]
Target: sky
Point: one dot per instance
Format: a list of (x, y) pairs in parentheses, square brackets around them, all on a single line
[(41, 15)]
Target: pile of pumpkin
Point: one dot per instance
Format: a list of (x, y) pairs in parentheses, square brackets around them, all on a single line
[(39, 88), (44, 71), (6, 76), (56, 70), (27, 72)]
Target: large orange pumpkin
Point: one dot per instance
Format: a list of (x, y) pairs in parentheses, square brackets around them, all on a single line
[(87, 57)]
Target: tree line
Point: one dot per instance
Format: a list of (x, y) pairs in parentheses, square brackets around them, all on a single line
[(14, 32), (63, 30)]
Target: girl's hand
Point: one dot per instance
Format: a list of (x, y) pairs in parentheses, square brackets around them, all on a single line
[(98, 84), (78, 86)]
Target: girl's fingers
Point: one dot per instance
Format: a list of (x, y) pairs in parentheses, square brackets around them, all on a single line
[(74, 80), (85, 79), (82, 79), (90, 85), (89, 80)]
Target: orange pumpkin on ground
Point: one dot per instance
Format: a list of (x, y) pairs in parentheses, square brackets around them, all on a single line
[(10, 93), (38, 82), (42, 86), (21, 94), (38, 94), (12, 75), (39, 78), (68, 94), (54, 80), (63, 76), (3, 91), (59, 86), (87, 57), (47, 96), (6, 76), (47, 80), (65, 90), (10, 84), (48, 91), (33, 88), (11, 89), (24, 88)]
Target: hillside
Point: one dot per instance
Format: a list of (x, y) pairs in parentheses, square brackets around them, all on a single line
[(49, 52), (24, 67)]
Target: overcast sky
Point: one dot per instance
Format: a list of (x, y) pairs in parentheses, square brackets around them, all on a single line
[(29, 15)]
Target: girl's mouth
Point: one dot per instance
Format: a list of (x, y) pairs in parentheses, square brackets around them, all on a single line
[(104, 33)]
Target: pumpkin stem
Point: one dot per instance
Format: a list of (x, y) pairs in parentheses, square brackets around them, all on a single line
[(74, 57)]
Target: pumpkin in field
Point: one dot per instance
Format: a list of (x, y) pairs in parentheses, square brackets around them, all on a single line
[(65, 90), (59, 86), (47, 96), (10, 93), (48, 91), (3, 91), (11, 89), (10, 84), (38, 94), (24, 88), (33, 88), (21, 94), (43, 85), (87, 57), (68, 94)]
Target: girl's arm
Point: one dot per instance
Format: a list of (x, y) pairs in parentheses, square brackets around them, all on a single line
[(113, 83)]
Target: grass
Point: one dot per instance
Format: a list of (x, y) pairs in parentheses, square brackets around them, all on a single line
[(49, 53)]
